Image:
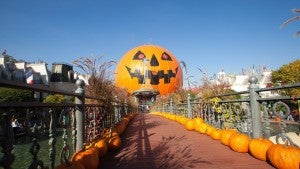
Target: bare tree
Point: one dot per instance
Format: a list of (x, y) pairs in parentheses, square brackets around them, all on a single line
[(100, 81), (295, 18)]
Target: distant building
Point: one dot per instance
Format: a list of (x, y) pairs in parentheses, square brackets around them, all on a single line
[(61, 77), (16, 71), (240, 82), (221, 78)]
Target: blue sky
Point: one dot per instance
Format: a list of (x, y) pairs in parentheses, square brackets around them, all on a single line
[(212, 35)]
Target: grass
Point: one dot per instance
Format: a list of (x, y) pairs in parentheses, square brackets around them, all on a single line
[(23, 157)]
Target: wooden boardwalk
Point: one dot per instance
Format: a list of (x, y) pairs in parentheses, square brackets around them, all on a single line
[(153, 142)]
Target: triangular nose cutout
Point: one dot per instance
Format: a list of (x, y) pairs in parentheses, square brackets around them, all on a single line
[(154, 61)]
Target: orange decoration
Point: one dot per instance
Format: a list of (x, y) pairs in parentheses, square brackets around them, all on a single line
[(202, 128), (183, 120), (239, 142), (258, 148), (151, 65), (209, 130), (283, 156), (277, 119), (120, 127), (198, 121), (189, 124), (88, 158), (216, 134), (114, 143), (110, 132), (102, 147), (225, 136)]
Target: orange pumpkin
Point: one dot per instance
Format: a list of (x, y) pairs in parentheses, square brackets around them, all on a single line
[(178, 118), (202, 128), (89, 145), (189, 124), (258, 148), (216, 134), (114, 143), (283, 156), (73, 165), (239, 142), (209, 129), (225, 136), (126, 119), (183, 120), (198, 121), (102, 147), (158, 66), (172, 117), (114, 133), (88, 158), (111, 132), (120, 127)]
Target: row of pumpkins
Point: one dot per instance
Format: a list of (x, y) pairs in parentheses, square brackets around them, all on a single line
[(89, 157), (279, 155)]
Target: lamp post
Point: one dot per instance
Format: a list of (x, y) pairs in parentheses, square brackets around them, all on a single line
[(145, 93)]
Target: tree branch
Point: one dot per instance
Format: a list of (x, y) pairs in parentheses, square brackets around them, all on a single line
[(290, 20)]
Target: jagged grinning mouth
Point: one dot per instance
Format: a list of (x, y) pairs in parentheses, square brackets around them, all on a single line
[(153, 76)]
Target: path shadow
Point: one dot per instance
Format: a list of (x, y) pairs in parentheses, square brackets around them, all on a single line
[(171, 154), (137, 151), (136, 147)]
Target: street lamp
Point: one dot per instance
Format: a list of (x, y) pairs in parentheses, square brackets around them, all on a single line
[(145, 94)]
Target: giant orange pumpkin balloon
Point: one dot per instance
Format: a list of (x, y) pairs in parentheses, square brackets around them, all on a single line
[(149, 66)]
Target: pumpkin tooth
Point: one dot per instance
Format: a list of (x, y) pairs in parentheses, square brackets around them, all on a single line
[(154, 76)]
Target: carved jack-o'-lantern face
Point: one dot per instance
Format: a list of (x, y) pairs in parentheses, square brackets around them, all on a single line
[(149, 66)]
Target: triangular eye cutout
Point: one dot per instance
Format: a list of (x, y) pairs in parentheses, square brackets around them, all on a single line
[(139, 56), (166, 56), (154, 61)]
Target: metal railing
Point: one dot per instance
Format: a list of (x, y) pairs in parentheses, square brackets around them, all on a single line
[(252, 114), (76, 122)]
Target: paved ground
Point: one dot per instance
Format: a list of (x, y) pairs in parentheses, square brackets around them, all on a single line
[(153, 142)]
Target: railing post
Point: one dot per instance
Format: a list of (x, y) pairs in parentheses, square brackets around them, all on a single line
[(266, 124), (171, 105), (52, 140), (126, 107), (189, 106), (7, 144), (116, 110), (254, 107), (79, 114)]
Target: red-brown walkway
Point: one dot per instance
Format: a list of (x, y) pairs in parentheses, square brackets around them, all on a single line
[(153, 142)]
